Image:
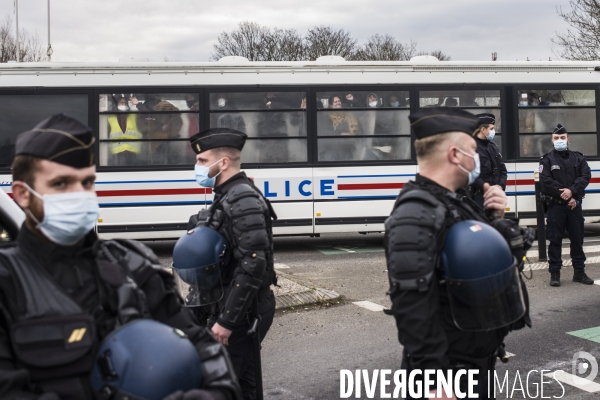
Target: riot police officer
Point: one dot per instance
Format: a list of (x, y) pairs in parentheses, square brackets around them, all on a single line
[(62, 290), (564, 175), (430, 327), (493, 170), (242, 215)]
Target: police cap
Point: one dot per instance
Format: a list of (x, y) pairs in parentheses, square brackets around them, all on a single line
[(486, 119), (61, 139), (432, 121), (218, 137), (559, 130)]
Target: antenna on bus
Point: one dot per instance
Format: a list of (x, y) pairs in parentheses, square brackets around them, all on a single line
[(494, 56)]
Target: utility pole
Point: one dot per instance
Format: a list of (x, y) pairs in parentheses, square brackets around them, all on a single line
[(49, 50), (17, 19)]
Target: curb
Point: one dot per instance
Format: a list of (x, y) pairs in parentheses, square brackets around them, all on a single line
[(311, 295)]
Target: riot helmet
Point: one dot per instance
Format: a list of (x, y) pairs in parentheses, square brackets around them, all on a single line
[(482, 277), (145, 359), (197, 258)]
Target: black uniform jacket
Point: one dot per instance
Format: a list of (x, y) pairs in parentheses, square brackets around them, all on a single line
[(247, 242), (74, 272), (493, 170), (564, 170), (424, 320)]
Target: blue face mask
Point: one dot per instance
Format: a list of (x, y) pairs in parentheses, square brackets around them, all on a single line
[(560, 145), (476, 171), (68, 217), (490, 137), (202, 175), (395, 104)]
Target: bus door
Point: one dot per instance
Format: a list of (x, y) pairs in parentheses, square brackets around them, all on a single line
[(291, 192)]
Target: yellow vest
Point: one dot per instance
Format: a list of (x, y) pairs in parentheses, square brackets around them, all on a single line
[(131, 133)]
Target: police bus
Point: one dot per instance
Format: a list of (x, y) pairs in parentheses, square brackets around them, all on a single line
[(329, 141)]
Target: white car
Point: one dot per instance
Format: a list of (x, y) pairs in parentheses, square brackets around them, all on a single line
[(11, 218)]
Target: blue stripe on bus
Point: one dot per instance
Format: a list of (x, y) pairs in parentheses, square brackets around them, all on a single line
[(373, 176), (163, 203), (366, 197), (163, 181)]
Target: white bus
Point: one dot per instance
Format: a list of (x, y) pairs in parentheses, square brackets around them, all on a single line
[(325, 169)]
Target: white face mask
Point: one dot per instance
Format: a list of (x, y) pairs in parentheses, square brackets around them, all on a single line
[(523, 103), (123, 108), (68, 217), (221, 102), (373, 104)]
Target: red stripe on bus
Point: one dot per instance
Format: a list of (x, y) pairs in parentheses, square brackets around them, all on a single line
[(520, 182), (367, 186), (152, 192)]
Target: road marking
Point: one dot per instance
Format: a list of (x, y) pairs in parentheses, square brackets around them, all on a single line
[(280, 266), (586, 249), (591, 334), (509, 354), (566, 263), (347, 248), (369, 305), (597, 282), (565, 377)]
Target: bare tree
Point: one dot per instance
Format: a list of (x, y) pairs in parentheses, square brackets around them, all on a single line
[(385, 48), (282, 45), (259, 43), (327, 41), (245, 41), (582, 40), (440, 55), (30, 49)]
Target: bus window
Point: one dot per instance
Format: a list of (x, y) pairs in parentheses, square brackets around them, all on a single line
[(256, 101), (144, 102), (22, 112), (473, 101), (363, 125), (275, 123), (541, 110), (147, 129), (459, 98)]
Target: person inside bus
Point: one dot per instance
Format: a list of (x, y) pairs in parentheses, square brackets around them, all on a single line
[(395, 101), (373, 101), (147, 105), (470, 100), (124, 133), (219, 101), (450, 102), (337, 123), (162, 127), (350, 101)]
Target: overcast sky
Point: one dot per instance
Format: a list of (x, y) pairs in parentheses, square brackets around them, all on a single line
[(185, 30)]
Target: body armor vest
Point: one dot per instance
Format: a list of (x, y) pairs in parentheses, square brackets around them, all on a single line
[(51, 335)]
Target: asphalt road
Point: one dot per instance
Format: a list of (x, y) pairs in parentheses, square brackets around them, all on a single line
[(305, 349)]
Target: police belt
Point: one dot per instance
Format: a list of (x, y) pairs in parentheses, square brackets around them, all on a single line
[(554, 201)]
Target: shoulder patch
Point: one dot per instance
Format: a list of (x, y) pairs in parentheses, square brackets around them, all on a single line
[(541, 168)]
